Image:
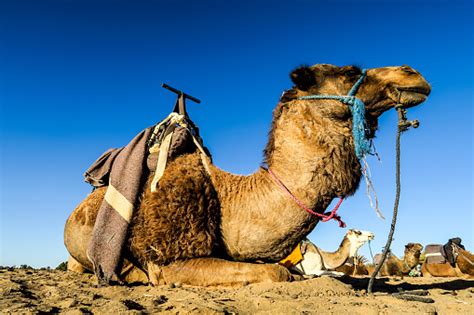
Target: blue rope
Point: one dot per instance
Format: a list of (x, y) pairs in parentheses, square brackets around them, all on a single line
[(357, 107)]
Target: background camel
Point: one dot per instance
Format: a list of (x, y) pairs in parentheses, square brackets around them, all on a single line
[(318, 262), (464, 266), (355, 266), (394, 266), (205, 229)]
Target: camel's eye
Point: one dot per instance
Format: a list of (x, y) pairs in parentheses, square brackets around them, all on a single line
[(353, 71), (358, 232)]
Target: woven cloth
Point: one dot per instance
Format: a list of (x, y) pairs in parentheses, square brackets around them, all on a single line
[(122, 171), (434, 254)]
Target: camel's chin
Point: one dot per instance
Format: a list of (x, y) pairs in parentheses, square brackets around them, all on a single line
[(409, 98)]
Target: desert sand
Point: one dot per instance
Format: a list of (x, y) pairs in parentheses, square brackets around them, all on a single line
[(38, 291)]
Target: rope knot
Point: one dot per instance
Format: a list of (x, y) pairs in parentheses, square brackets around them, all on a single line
[(349, 100)]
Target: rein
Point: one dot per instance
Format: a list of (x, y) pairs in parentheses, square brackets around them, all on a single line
[(324, 217), (403, 125)]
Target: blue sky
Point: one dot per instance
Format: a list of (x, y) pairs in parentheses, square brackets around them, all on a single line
[(78, 77)]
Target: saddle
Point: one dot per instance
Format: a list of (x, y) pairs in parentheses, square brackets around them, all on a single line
[(440, 254), (435, 254), (122, 170)]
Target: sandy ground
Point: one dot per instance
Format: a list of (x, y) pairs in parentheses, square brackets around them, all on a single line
[(52, 291)]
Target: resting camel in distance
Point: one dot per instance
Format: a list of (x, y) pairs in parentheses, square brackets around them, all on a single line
[(463, 265), (394, 266), (355, 266), (209, 228), (316, 262)]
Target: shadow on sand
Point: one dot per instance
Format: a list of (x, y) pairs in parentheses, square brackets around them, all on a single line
[(382, 284)]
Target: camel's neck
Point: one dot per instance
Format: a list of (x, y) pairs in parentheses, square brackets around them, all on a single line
[(314, 157), (339, 257), (409, 262)]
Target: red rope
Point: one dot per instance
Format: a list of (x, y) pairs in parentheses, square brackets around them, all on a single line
[(324, 217)]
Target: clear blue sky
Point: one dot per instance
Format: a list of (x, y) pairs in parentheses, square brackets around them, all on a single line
[(78, 77)]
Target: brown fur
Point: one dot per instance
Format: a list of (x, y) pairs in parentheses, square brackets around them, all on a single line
[(180, 220), (179, 224), (311, 150), (394, 266), (353, 270), (357, 268), (463, 267), (217, 272)]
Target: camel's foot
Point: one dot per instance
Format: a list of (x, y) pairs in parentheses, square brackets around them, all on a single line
[(132, 274), (129, 273), (74, 265), (216, 272), (426, 274), (297, 277)]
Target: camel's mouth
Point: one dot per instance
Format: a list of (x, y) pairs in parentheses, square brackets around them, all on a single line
[(412, 96)]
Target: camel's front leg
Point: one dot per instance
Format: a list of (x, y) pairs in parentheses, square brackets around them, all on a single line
[(216, 272)]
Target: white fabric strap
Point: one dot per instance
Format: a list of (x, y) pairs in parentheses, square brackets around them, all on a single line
[(173, 118), (433, 254), (161, 163), (118, 201)]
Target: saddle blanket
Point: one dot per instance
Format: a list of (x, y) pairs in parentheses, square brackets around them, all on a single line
[(434, 254)]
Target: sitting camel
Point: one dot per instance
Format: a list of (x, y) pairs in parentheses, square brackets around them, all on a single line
[(205, 226), (355, 266), (394, 266), (316, 262), (462, 262)]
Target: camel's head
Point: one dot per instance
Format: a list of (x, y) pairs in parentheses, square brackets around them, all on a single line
[(412, 253), (382, 89), (357, 239)]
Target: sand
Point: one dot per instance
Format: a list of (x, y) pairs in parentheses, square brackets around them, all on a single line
[(53, 291)]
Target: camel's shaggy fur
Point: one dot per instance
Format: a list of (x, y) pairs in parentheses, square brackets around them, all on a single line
[(179, 221), (248, 218)]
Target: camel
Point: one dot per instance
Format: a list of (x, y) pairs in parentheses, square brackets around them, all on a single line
[(208, 227), (316, 262), (355, 266), (463, 267), (393, 266)]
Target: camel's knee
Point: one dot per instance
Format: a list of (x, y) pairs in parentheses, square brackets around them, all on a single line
[(134, 275), (74, 265)]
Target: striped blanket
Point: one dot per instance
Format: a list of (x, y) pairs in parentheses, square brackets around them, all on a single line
[(124, 171)]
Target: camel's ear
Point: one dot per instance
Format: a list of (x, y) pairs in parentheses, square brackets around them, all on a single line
[(303, 77)]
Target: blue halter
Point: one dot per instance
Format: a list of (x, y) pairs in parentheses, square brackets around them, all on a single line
[(357, 107)]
